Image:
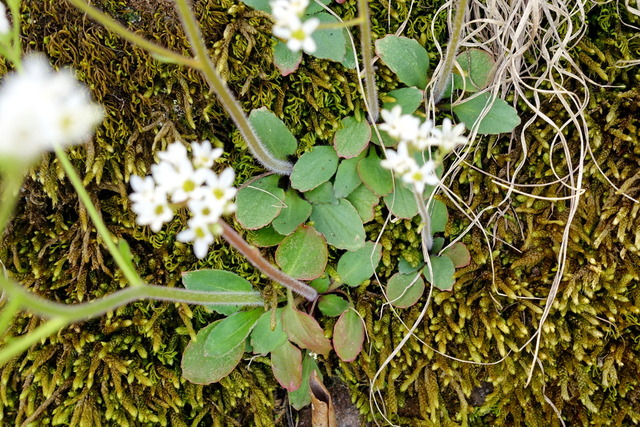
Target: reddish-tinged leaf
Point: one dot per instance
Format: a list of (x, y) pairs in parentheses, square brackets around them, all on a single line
[(286, 362), (348, 335), (459, 254), (303, 330)]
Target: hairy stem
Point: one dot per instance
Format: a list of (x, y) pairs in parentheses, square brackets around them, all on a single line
[(231, 104), (367, 60), (425, 233), (452, 48), (253, 255)]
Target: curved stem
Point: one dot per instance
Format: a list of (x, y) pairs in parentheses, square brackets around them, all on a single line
[(452, 49), (230, 103), (160, 52), (257, 260), (367, 60), (427, 237)]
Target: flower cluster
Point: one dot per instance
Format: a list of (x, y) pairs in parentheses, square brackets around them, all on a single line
[(5, 26), (41, 109), (290, 27), (414, 136), (178, 180)]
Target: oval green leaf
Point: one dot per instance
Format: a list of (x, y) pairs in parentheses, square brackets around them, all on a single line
[(273, 133), (321, 194), (295, 212), (443, 271), (364, 201), (332, 305), (285, 60), (374, 176), (259, 202), (216, 281), (313, 168), (199, 368), (459, 254), (331, 43), (439, 216), (405, 57), (264, 339), (358, 266), (347, 178), (352, 138), (303, 330), (404, 290), (408, 98), (303, 254), (348, 335), (401, 202), (500, 118), (477, 66), (264, 237), (230, 332), (340, 224), (301, 397), (286, 362)]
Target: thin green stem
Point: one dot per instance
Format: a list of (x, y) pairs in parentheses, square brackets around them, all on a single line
[(125, 265), (452, 48), (161, 53), (253, 255), (230, 103), (425, 232), (338, 25), (367, 60)]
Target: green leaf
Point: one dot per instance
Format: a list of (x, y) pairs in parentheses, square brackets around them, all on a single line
[(374, 176), (500, 118), (331, 43), (364, 201), (273, 133), (303, 330), (340, 224), (199, 368), (295, 212), (286, 362), (264, 237), (352, 138), (285, 60), (301, 397), (405, 57), (404, 290), (477, 66), (332, 305), (439, 216), (321, 194), (263, 338), (358, 266), (303, 254), (348, 335), (347, 178), (262, 5), (459, 254), (313, 168), (405, 268), (408, 98), (443, 271), (230, 332), (216, 281), (259, 202), (321, 284), (401, 202)]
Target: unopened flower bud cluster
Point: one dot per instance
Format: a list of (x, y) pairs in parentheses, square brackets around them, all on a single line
[(183, 180), (290, 27), (416, 136)]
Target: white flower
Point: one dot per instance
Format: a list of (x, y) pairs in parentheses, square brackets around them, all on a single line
[(448, 137), (181, 183), (220, 188), (419, 176), (144, 189), (5, 26), (152, 208), (403, 127), (40, 109), (422, 140), (200, 233), (206, 210), (176, 155), (203, 156), (298, 33), (400, 162), (282, 10)]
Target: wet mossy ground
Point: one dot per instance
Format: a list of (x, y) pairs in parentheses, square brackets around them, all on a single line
[(124, 369)]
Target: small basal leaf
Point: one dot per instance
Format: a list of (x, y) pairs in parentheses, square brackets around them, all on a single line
[(401, 202), (286, 362), (273, 133), (295, 212), (459, 254), (443, 271), (364, 201), (352, 138), (358, 266), (347, 178), (301, 397), (374, 176), (259, 202), (262, 5), (322, 194), (303, 330), (348, 335), (230, 332), (264, 237), (313, 168), (500, 118), (477, 66), (405, 57), (408, 98), (439, 216), (404, 290), (332, 305), (404, 267), (303, 254), (285, 60), (321, 284), (331, 42), (340, 224), (198, 368), (216, 281), (264, 339)]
